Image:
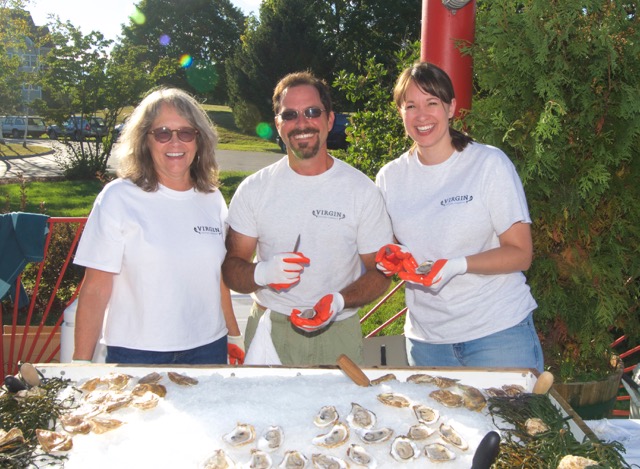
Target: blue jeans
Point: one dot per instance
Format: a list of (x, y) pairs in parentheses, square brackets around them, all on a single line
[(516, 347), (214, 353)]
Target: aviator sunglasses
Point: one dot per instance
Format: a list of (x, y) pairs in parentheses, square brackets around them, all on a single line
[(309, 113), (164, 134)]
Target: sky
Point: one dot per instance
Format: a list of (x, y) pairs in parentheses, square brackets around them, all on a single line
[(105, 16)]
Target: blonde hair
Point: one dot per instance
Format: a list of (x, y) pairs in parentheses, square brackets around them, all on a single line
[(133, 152)]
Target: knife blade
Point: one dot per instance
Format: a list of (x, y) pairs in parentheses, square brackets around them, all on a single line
[(297, 245)]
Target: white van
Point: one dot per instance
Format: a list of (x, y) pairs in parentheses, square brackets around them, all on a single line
[(13, 126)]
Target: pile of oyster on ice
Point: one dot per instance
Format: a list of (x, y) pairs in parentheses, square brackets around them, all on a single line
[(344, 441)]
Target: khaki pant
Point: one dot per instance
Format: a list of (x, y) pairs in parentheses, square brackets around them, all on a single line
[(296, 347)]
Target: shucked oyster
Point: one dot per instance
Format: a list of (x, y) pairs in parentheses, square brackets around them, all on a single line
[(271, 439), (260, 460), (420, 431), (293, 460), (182, 380), (328, 461), (452, 436), (328, 415), (375, 436), (219, 460), (472, 398), (437, 452), (360, 456), (426, 414), (361, 417), (403, 449), (243, 434), (338, 435)]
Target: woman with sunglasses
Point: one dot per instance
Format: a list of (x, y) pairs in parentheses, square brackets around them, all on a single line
[(460, 214), (154, 243)]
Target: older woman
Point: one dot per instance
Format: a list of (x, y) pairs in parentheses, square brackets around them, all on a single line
[(154, 244)]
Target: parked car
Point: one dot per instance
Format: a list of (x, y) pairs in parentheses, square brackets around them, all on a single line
[(77, 128), (337, 138), (14, 126)]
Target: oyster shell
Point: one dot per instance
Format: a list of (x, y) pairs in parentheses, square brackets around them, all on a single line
[(437, 452), (293, 460), (426, 414), (513, 390), (361, 417), (259, 460), (394, 399), (182, 380), (403, 449), (116, 381), (472, 398), (151, 378), (450, 435), (101, 425), (141, 389), (271, 439), (420, 431), (576, 462), (328, 415), (359, 455), (535, 425), (327, 461), (447, 398), (10, 439), (114, 402), (337, 436), (243, 434), (495, 392), (53, 441), (75, 424), (90, 385), (443, 382), (420, 378), (383, 378), (375, 436), (147, 401), (219, 460)]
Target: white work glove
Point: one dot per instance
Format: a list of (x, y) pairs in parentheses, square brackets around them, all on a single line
[(442, 271), (235, 349), (324, 312), (281, 271)]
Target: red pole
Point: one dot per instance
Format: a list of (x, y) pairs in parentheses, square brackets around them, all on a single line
[(442, 30)]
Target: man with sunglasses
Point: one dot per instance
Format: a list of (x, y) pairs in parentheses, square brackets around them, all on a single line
[(314, 224)]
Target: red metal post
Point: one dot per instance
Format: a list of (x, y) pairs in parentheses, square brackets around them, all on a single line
[(442, 31)]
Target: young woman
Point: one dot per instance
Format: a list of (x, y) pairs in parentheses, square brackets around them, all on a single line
[(460, 216)]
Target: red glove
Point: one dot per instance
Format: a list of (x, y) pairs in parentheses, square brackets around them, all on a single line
[(324, 312), (393, 258), (281, 271), (441, 272), (235, 349)]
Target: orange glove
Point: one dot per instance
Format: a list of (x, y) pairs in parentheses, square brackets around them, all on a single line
[(324, 312), (280, 272), (441, 272), (235, 349), (393, 258)]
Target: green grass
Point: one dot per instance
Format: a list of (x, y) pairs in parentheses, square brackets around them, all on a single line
[(8, 150), (75, 198)]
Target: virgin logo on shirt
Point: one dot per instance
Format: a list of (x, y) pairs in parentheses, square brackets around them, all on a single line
[(328, 214), (212, 230), (458, 199)]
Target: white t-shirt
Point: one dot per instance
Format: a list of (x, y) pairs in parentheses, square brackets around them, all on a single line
[(453, 209), (339, 214), (166, 249)]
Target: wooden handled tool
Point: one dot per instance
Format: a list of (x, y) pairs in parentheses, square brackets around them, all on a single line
[(353, 371), (544, 383)]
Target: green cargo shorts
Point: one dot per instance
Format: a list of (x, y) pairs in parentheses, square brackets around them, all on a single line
[(296, 347)]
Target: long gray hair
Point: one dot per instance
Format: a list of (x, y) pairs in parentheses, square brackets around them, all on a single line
[(135, 162)]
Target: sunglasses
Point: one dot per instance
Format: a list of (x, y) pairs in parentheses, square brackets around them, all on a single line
[(164, 134), (309, 113)]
